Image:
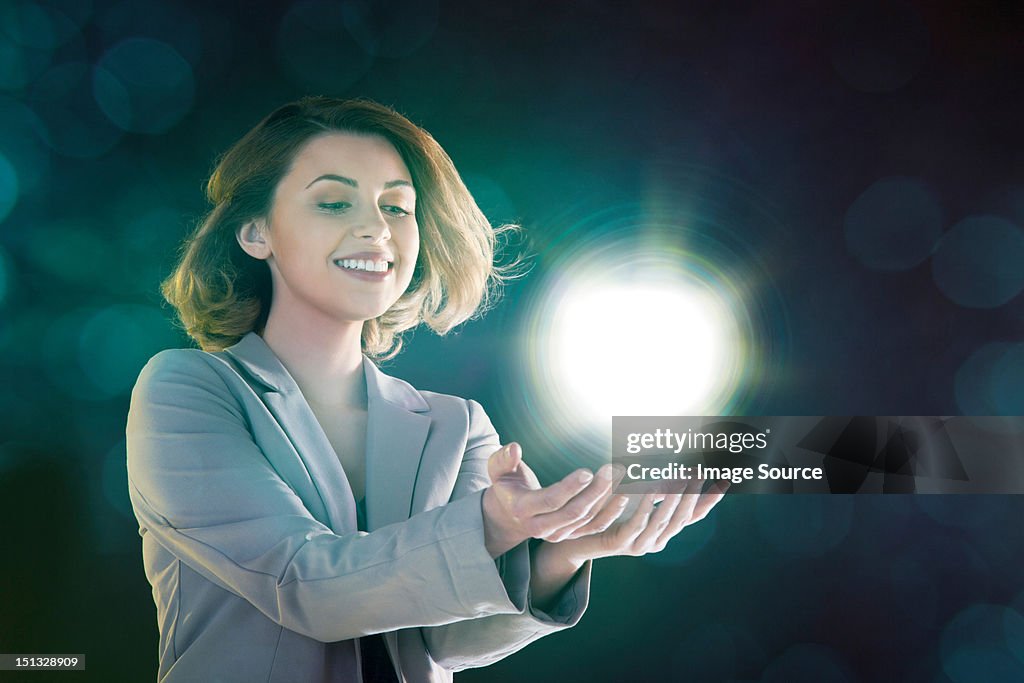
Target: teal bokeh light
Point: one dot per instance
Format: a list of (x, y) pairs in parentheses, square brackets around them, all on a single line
[(973, 514), (148, 238), (978, 262), (36, 25), (983, 643), (19, 65), (172, 23), (96, 354), (144, 85), (1008, 382), (6, 276), (492, 198), (316, 49), (709, 652), (115, 343), (75, 124), (808, 663), (915, 593), (398, 32), (114, 481), (991, 380), (8, 188), (804, 526), (72, 252), (23, 143), (894, 224)]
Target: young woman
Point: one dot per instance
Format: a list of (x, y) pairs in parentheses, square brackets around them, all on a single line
[(304, 516)]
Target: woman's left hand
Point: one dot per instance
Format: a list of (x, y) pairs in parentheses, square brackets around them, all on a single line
[(647, 530), (516, 507)]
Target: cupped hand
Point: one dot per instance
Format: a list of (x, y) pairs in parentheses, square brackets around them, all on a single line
[(516, 507), (648, 529)]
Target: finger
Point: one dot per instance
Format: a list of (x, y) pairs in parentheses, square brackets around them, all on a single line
[(611, 511), (555, 496), (703, 505), (660, 519), (558, 525), (708, 501), (620, 538), (606, 513), (504, 461), (527, 476), (618, 474), (682, 514), (602, 487)]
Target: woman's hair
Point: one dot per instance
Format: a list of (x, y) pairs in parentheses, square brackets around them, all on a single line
[(221, 293)]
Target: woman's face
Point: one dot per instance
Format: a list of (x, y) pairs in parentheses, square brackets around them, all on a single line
[(342, 238)]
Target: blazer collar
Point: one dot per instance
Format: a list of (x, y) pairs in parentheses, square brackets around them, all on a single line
[(396, 433), (253, 354)]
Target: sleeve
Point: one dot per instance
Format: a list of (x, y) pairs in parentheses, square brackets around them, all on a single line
[(482, 641), (205, 491)]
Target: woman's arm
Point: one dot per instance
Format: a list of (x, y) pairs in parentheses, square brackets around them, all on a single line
[(205, 491), (482, 641)]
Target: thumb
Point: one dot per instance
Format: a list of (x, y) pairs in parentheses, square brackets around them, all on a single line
[(504, 461)]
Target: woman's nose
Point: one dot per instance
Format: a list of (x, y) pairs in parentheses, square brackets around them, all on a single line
[(373, 226)]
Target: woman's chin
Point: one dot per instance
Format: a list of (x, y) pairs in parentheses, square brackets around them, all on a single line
[(362, 314)]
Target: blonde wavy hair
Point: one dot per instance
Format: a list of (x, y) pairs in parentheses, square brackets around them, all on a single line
[(221, 293)]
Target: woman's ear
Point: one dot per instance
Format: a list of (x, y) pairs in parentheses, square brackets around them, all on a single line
[(252, 237)]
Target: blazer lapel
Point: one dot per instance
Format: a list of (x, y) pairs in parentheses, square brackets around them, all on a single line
[(396, 433), (328, 475), (284, 400)]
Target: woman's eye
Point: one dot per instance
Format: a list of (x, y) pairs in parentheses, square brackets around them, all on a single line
[(396, 211), (334, 207)]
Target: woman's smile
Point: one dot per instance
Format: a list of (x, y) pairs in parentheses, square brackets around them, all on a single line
[(367, 269)]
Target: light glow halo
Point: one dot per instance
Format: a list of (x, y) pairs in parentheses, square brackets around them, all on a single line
[(634, 331), (693, 229)]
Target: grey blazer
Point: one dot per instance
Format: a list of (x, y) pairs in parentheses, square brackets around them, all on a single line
[(249, 535)]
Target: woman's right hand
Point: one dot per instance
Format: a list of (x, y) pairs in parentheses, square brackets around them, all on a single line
[(516, 507)]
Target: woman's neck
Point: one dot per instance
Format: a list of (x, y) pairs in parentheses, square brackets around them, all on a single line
[(324, 357)]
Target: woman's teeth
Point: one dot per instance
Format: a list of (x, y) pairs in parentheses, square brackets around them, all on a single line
[(359, 264)]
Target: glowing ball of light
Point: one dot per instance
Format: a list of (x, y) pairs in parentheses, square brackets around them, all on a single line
[(616, 345), (634, 333), (659, 307)]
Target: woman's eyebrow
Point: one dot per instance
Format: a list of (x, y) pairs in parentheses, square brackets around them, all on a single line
[(349, 181)]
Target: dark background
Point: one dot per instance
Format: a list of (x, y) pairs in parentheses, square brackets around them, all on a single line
[(864, 160)]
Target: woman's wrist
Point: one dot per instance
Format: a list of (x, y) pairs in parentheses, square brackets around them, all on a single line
[(551, 568), (498, 540), (555, 560)]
